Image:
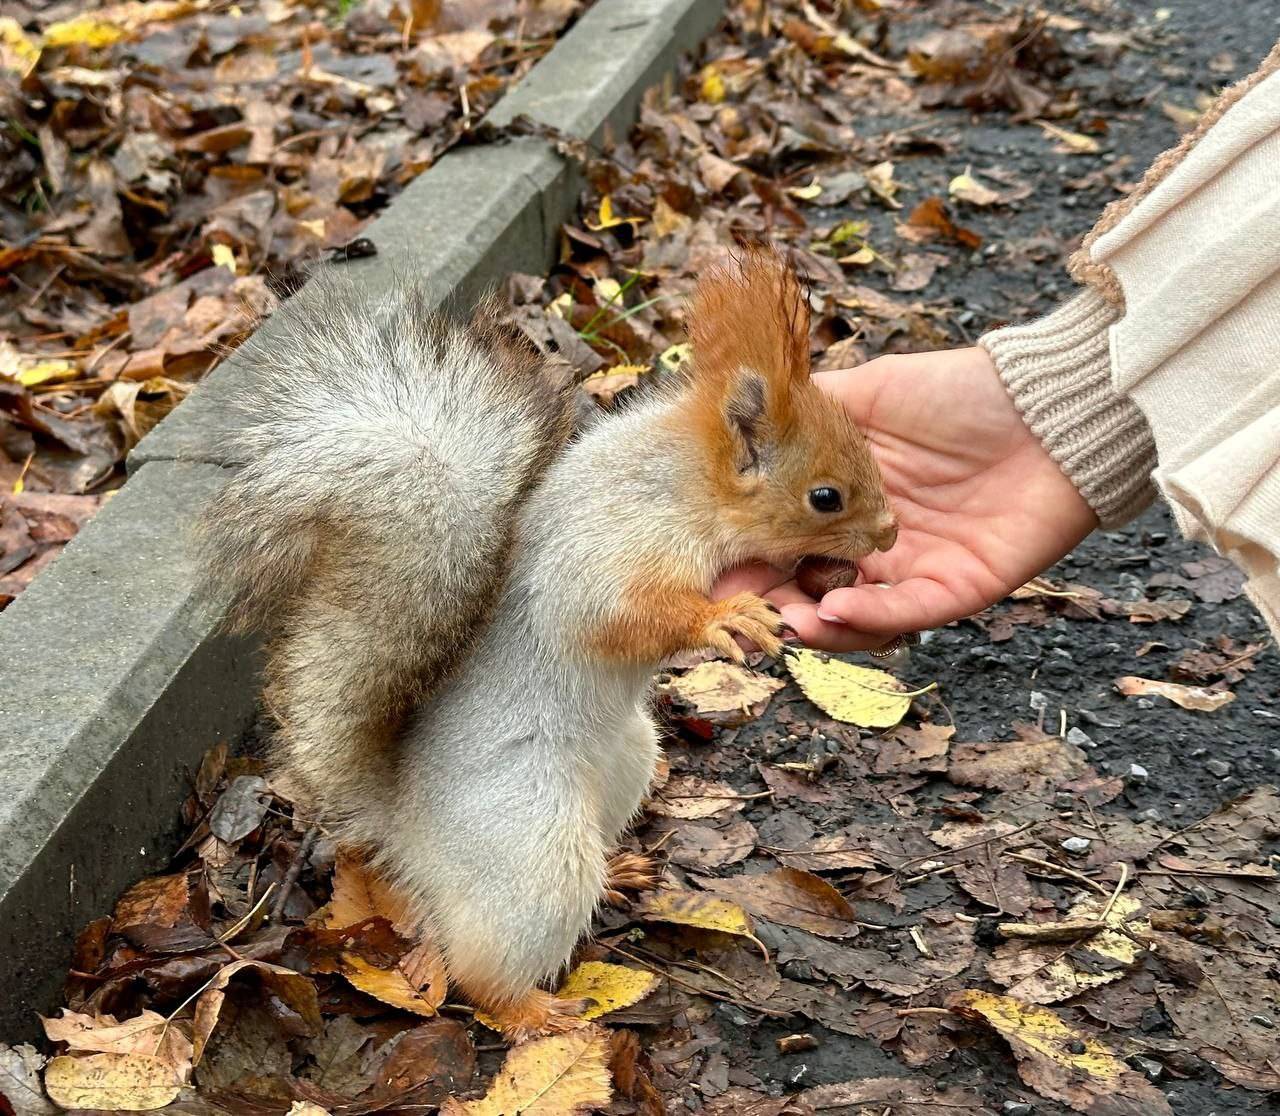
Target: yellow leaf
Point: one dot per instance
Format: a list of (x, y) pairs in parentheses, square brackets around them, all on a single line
[(712, 85), (116, 1082), (48, 371), (701, 911), (561, 1075), (1042, 1031), (853, 694), (966, 188), (223, 256), (667, 220), (1052, 973), (612, 987), (863, 256), (806, 193), (83, 30), (17, 52), (609, 220), (607, 290), (1070, 143), (395, 987), (561, 306), (1189, 697), (880, 179), (674, 358)]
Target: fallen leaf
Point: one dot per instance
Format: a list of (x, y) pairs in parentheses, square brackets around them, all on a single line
[(881, 181), (691, 797), (147, 1033), (611, 987), (118, 1082), (20, 1068), (296, 992), (1093, 1081), (853, 694), (1226, 1017), (561, 1075), (1188, 697), (1070, 143), (1046, 973), (417, 983), (699, 910), (791, 897), (725, 693), (966, 188), (931, 216)]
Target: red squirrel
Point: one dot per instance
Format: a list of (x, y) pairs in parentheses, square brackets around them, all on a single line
[(468, 608)]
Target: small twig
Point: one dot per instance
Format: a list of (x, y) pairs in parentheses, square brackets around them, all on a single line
[(902, 1013), (1124, 879), (1058, 869), (291, 876)]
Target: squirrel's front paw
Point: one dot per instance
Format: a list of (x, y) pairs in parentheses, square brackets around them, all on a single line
[(746, 615)]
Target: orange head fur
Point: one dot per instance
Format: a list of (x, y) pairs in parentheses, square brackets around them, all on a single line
[(791, 472)]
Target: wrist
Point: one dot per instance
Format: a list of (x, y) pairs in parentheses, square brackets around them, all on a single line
[(1057, 371)]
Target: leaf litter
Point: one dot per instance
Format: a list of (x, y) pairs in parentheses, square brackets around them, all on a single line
[(972, 916)]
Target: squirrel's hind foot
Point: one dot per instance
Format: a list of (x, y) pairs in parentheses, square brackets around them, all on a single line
[(532, 1015), (630, 871)]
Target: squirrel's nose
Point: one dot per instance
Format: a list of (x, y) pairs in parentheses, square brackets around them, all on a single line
[(886, 531)]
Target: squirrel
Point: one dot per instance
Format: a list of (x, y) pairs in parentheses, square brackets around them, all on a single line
[(469, 605)]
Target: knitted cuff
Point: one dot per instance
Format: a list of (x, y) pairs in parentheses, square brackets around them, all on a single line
[(1058, 372)]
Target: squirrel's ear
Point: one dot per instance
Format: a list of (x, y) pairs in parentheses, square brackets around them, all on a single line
[(745, 414)]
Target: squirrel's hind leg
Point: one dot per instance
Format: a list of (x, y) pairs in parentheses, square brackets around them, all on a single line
[(530, 1015)]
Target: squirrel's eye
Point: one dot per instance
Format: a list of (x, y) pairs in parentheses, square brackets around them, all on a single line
[(825, 499)]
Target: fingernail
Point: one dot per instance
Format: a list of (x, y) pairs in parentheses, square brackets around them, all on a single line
[(828, 618)]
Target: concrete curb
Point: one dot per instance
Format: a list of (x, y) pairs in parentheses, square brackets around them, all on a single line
[(116, 680)]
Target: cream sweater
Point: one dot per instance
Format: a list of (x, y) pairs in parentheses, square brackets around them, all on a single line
[(1164, 372)]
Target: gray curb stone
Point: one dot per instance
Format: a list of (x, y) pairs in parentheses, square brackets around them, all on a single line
[(115, 679)]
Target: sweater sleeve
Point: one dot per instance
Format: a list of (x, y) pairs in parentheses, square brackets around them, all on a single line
[(1058, 372), (1165, 370)]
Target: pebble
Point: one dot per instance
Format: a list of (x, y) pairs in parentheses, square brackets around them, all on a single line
[(1218, 767), (1080, 738), (1077, 846), (1152, 815), (1136, 773), (1262, 1021), (1016, 1108), (1149, 1069), (1196, 896), (1076, 1046)]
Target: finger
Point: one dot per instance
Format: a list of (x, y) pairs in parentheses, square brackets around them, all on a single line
[(757, 577), (911, 606), (812, 631)]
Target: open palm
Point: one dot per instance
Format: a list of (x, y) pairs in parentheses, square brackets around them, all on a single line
[(981, 506)]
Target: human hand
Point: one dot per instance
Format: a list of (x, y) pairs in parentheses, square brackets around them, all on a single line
[(981, 507)]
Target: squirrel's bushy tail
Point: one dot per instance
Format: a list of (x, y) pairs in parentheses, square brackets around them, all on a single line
[(385, 452)]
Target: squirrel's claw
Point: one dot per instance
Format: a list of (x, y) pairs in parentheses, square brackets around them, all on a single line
[(535, 1014), (629, 871), (746, 615)]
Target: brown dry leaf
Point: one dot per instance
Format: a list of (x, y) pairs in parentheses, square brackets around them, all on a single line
[(893, 1096), (1188, 697), (20, 1068), (117, 1082), (1223, 1017), (931, 218), (791, 897), (1045, 972), (360, 894), (1018, 764), (725, 693), (561, 1075), (148, 1033), (911, 750), (832, 852), (691, 797), (1093, 1081), (155, 901), (295, 991), (1070, 143), (701, 846)]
